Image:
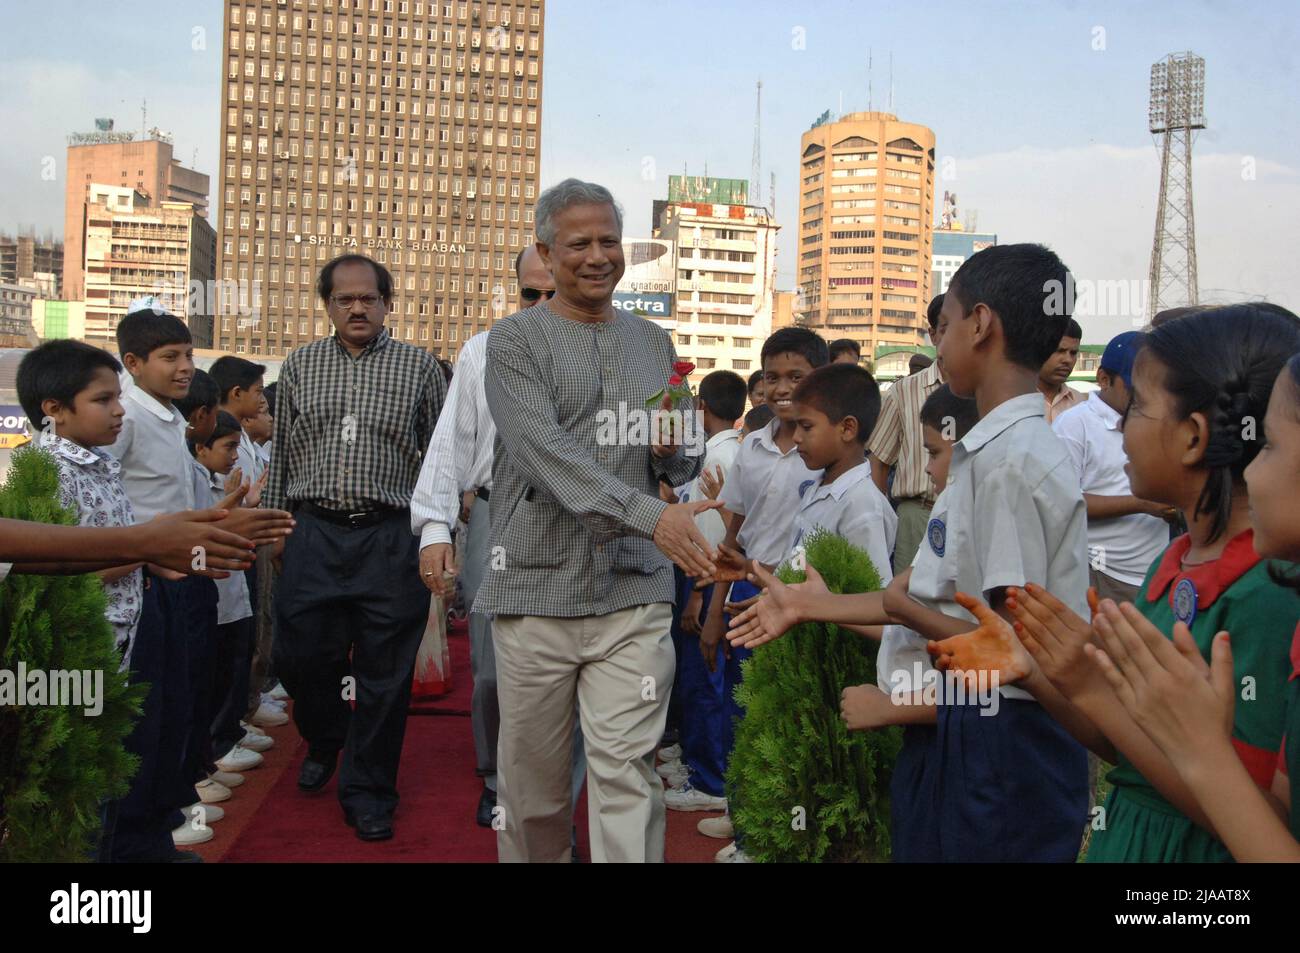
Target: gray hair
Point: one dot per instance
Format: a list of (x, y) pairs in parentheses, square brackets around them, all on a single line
[(565, 195)]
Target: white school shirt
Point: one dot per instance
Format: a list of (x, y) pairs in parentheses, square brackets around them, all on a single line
[(1124, 547), (1011, 512), (719, 451), (460, 451), (854, 508), (250, 462), (233, 602), (155, 461), (765, 486)]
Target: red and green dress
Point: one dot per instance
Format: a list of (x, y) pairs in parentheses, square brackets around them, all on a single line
[(1233, 593), (1289, 760)]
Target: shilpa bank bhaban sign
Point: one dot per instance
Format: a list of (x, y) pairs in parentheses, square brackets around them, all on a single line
[(399, 244)]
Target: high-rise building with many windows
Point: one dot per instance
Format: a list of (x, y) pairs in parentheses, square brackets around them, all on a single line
[(405, 130), (866, 212)]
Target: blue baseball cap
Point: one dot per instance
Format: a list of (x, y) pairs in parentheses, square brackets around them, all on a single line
[(1120, 354)]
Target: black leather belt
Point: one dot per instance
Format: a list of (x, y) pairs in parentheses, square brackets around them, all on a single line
[(483, 493), (357, 520)]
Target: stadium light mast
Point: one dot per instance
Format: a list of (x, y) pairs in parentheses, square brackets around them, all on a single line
[(1176, 112)]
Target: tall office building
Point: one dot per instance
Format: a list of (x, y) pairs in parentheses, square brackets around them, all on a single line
[(33, 262), (726, 268), (405, 130), (866, 209), (123, 161)]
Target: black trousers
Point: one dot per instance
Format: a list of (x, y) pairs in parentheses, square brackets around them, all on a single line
[(201, 627), (161, 788), (350, 605), (234, 651)]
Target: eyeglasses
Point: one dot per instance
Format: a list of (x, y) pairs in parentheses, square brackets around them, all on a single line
[(533, 294), (345, 302)]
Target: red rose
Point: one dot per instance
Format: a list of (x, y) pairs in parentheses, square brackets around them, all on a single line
[(683, 368), (675, 380)]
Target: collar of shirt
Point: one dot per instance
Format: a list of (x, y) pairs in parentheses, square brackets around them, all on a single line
[(151, 404), (845, 482), (718, 439), (999, 419), (1065, 393), (930, 377), (1108, 414), (766, 439), (1211, 579), (76, 453), (376, 343)]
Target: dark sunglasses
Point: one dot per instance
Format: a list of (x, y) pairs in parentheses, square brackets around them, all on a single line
[(531, 295)]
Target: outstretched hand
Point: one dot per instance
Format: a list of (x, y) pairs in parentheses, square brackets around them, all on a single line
[(680, 539), (779, 609), (990, 647), (729, 567)]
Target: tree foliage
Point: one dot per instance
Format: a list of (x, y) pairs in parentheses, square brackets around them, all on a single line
[(802, 787)]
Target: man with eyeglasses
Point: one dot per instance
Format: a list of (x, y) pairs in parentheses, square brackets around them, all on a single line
[(459, 461), (354, 414)]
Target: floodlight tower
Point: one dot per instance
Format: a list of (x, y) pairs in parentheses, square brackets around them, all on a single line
[(1177, 111)]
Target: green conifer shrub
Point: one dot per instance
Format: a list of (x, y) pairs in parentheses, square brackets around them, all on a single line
[(56, 762), (804, 788)]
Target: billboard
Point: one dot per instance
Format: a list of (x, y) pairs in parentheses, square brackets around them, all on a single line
[(649, 278), (707, 190), (648, 305), (13, 427)]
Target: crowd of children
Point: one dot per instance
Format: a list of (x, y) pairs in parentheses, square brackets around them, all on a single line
[(1052, 603), (1054, 606), (165, 445)]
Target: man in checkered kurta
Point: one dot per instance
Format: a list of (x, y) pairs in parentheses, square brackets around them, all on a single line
[(579, 580), (355, 412)]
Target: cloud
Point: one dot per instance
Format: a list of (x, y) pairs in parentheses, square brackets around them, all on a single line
[(1095, 205)]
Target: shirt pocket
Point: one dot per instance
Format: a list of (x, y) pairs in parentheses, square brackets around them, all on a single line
[(534, 536)]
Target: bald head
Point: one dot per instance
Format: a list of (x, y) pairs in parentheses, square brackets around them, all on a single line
[(533, 276)]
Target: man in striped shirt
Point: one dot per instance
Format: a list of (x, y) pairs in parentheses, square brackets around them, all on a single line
[(354, 414), (896, 442)]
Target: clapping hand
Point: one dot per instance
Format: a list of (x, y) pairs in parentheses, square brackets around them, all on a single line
[(990, 647), (710, 485)]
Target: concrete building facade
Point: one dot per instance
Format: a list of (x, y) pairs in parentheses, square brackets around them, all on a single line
[(405, 130), (142, 165), (866, 208)]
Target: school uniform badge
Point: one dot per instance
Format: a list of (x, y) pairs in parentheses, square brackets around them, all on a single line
[(937, 534), (1185, 602)]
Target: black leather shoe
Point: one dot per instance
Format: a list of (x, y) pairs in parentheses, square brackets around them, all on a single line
[(487, 802), (317, 769), (370, 826)]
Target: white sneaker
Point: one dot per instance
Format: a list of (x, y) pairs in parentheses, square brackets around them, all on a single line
[(201, 813), (739, 857), (719, 827), (257, 742), (239, 758), (669, 768), (724, 856), (191, 833), (210, 791), (227, 778), (275, 703), (267, 716), (686, 798), (278, 693), (676, 775), (671, 753)]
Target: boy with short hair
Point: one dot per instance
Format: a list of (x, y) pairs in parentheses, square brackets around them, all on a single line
[(845, 351), (215, 457), (761, 496), (158, 353), (1011, 513), (240, 382), (199, 406), (699, 693), (756, 389), (75, 388), (835, 410)]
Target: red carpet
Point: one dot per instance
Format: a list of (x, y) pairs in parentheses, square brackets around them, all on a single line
[(269, 820)]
